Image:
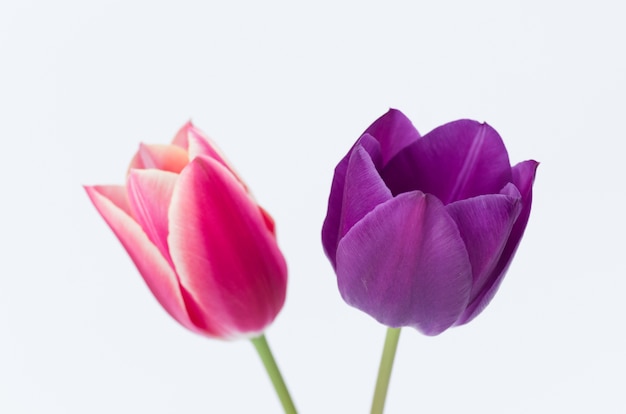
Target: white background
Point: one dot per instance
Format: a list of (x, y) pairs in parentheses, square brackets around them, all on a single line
[(285, 88)]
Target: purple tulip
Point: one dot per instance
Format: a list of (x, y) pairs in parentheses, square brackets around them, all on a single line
[(421, 230)]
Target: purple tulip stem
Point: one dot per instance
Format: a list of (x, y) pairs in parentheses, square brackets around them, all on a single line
[(384, 371), (260, 344)]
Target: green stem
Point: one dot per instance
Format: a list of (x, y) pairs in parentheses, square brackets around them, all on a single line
[(384, 371), (260, 343)]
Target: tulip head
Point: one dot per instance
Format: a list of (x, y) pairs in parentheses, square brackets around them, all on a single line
[(421, 230), (204, 247)]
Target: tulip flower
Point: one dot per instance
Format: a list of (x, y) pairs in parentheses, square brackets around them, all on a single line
[(421, 230), (204, 247)]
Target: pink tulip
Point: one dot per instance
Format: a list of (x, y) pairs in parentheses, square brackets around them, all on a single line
[(205, 248)]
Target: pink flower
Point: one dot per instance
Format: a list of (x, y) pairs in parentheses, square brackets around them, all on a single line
[(206, 250)]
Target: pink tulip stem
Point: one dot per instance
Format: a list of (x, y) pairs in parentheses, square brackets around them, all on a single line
[(260, 343), (384, 371)]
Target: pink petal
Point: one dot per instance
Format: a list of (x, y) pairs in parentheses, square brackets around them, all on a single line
[(197, 143), (115, 194), (152, 266), (150, 193), (405, 264), (161, 157), (180, 139), (227, 259), (269, 221), (201, 145)]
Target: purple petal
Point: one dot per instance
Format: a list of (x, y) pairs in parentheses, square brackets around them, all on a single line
[(406, 265), (523, 178), (332, 223), (330, 228), (455, 161), (364, 190), (383, 140), (485, 223), (394, 131)]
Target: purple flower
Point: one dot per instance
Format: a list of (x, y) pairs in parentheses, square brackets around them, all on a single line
[(421, 230)]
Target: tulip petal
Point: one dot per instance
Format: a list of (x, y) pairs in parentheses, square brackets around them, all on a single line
[(162, 157), (180, 139), (332, 222), (114, 193), (269, 221), (394, 131), (363, 191), (227, 259), (523, 178), (406, 265), (455, 161), (150, 193), (485, 224), (202, 145), (383, 140), (158, 275), (197, 143)]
